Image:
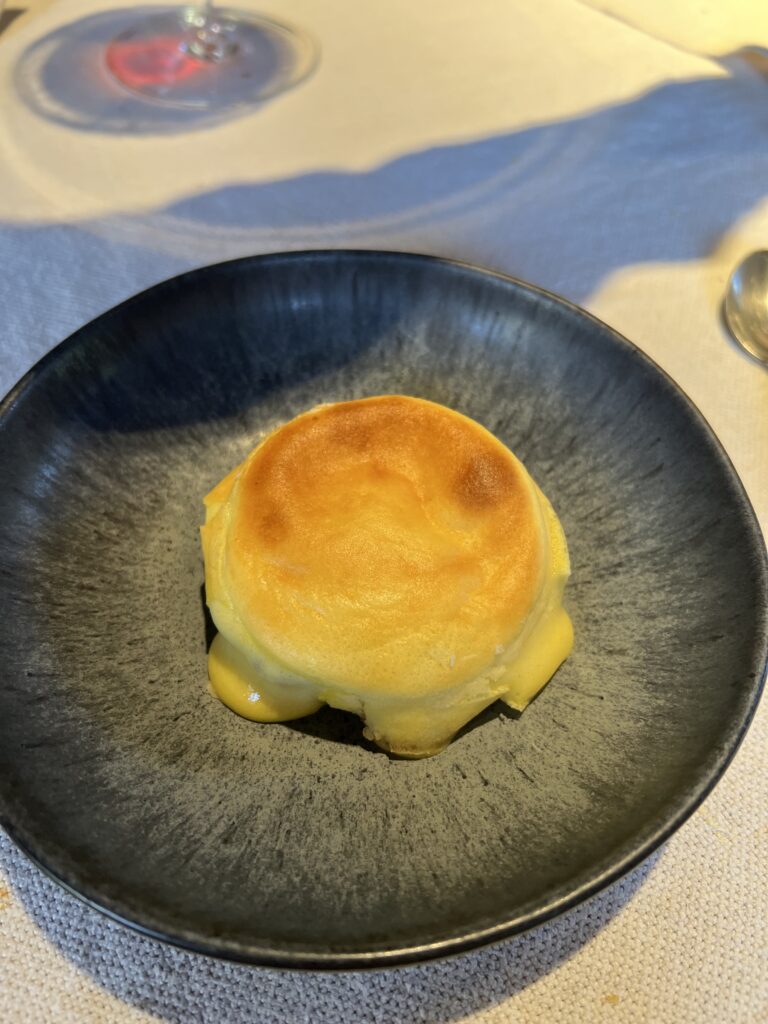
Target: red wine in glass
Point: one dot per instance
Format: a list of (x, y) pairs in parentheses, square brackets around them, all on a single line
[(206, 57)]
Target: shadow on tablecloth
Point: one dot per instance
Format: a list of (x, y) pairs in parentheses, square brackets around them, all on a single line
[(184, 988), (660, 178)]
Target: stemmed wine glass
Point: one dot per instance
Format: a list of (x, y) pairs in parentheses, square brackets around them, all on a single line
[(204, 57)]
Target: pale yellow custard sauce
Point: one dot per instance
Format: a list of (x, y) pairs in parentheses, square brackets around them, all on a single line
[(387, 557)]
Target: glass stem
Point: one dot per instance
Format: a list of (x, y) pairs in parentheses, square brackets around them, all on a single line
[(209, 36)]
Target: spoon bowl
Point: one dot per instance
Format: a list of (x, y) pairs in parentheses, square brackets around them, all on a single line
[(746, 305)]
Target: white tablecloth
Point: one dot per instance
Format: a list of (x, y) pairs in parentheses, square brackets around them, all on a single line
[(616, 153)]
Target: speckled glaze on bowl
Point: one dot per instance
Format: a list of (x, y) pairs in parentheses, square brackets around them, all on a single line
[(299, 844)]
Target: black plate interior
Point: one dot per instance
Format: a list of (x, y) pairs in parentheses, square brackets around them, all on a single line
[(299, 844)]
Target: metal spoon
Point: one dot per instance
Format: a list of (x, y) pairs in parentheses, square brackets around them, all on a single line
[(746, 305)]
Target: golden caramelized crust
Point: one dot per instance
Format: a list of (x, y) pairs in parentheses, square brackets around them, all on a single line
[(386, 546)]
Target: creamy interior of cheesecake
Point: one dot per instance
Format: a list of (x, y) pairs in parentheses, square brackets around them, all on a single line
[(410, 713)]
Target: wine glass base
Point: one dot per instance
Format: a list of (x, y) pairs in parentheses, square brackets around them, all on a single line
[(237, 57)]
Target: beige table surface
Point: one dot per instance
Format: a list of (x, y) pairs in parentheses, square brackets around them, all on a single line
[(614, 152)]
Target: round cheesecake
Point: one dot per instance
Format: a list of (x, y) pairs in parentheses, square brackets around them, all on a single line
[(390, 557)]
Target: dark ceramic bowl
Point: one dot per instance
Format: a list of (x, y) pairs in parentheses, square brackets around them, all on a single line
[(299, 844)]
